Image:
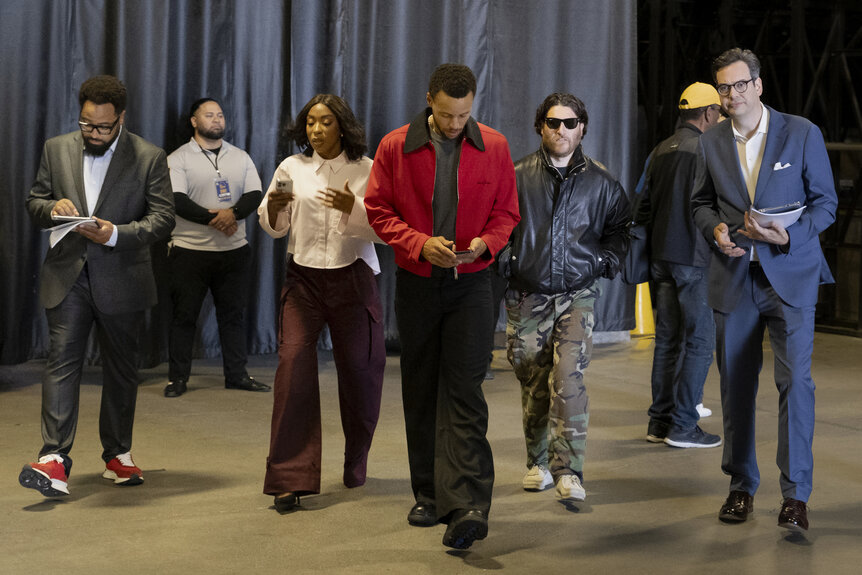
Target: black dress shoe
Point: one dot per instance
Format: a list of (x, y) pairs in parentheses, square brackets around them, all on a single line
[(247, 384), (423, 515), (175, 388), (794, 515), (736, 507), (465, 526), (287, 502)]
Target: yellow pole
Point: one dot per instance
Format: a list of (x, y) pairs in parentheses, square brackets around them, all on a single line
[(644, 321)]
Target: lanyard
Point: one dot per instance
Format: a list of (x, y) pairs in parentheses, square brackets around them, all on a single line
[(214, 163)]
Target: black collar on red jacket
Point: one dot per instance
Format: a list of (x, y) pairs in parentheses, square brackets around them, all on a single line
[(419, 134)]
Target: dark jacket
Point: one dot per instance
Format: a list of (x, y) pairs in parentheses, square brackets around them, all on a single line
[(572, 230), (665, 202), (136, 197)]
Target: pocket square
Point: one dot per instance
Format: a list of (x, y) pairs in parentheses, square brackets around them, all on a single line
[(780, 166)]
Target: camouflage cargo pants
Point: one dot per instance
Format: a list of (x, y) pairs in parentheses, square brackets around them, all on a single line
[(549, 344)]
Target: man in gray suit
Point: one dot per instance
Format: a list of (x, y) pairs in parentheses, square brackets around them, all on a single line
[(101, 275)]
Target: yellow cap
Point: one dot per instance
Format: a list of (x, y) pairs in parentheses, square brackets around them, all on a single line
[(698, 95)]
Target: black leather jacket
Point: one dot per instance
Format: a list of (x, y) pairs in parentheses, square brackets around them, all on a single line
[(572, 230)]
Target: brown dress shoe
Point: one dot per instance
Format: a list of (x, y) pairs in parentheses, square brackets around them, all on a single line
[(794, 515), (736, 507)]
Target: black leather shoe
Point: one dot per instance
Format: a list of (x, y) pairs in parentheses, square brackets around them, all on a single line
[(247, 384), (423, 515), (465, 526), (176, 388), (794, 515), (287, 502), (736, 507)]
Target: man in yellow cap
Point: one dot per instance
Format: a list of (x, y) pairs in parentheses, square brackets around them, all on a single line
[(679, 258)]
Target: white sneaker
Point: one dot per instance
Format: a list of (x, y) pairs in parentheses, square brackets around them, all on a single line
[(703, 411), (569, 488), (537, 479)]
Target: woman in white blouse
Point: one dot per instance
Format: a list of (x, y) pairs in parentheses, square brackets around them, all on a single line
[(330, 280)]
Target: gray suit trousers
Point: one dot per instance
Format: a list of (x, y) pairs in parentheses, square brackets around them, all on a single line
[(69, 325)]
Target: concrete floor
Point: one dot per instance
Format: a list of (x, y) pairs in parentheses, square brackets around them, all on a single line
[(649, 508)]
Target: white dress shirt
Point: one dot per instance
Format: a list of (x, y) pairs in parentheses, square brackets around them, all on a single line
[(750, 152), (321, 237), (95, 170)]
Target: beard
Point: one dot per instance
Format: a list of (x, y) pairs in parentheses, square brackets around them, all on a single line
[(99, 149), (214, 133)]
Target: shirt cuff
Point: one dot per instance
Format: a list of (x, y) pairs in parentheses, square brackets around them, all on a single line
[(113, 239)]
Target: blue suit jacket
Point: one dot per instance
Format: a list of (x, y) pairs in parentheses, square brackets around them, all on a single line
[(720, 195)]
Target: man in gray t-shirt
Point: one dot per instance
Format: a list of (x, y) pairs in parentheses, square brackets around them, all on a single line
[(216, 186)]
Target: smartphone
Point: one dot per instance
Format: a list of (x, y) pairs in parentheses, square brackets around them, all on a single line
[(283, 186), (462, 252)]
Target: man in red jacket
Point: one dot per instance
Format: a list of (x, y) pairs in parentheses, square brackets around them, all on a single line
[(442, 194)]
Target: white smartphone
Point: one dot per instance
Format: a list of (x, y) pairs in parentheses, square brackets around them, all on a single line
[(283, 186)]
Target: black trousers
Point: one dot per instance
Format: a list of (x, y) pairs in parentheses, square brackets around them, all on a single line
[(444, 325), (226, 275), (69, 326)]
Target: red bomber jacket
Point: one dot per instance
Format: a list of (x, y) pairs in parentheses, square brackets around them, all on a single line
[(401, 187)]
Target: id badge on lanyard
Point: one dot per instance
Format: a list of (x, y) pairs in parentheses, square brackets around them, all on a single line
[(222, 189)]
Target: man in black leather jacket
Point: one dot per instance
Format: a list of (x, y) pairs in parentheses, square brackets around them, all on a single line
[(572, 232)]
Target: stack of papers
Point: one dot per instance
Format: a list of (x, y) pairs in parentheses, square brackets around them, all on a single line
[(71, 222), (782, 218)]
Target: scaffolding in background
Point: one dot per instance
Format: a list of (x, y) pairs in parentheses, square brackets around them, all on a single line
[(811, 58)]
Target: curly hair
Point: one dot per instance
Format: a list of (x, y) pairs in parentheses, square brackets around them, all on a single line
[(456, 80), (561, 99), (734, 55), (352, 131), (103, 90)]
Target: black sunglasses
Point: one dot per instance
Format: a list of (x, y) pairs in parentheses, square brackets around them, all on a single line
[(569, 123)]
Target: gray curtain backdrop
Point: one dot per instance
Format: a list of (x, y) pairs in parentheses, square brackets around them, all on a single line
[(263, 59)]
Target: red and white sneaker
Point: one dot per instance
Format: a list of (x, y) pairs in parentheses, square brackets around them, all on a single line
[(48, 476), (123, 470)]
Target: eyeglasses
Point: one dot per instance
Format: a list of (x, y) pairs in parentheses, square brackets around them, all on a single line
[(86, 127), (740, 87), (569, 123)]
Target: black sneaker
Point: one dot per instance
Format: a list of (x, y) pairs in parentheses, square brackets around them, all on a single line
[(657, 431), (691, 438)]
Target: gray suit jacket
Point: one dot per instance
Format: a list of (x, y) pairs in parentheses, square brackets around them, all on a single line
[(136, 197)]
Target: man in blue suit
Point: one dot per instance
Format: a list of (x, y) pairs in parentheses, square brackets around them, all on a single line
[(763, 275)]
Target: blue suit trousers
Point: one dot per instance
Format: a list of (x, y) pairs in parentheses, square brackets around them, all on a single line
[(739, 352)]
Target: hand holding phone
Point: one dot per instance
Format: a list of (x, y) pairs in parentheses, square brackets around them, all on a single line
[(284, 187), (282, 195)]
